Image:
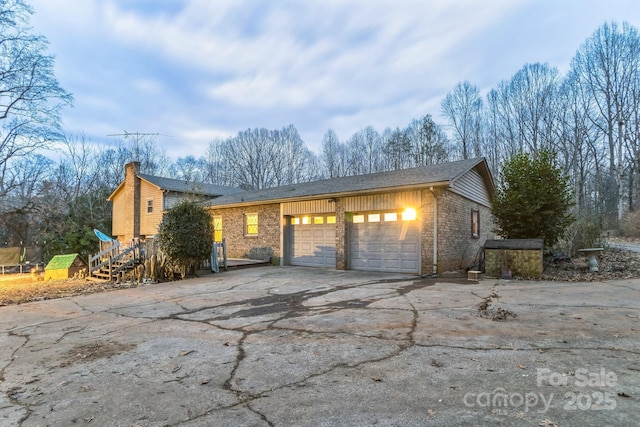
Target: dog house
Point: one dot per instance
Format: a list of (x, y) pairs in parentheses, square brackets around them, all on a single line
[(64, 267)]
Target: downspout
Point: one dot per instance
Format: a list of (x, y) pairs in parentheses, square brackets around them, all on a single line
[(435, 232)]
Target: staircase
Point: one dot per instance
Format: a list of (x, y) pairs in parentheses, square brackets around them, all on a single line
[(111, 262)]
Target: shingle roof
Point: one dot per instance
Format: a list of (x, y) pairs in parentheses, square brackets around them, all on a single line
[(184, 186), (444, 173)]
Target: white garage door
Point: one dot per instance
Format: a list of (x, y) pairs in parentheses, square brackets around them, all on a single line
[(385, 241), (313, 241)]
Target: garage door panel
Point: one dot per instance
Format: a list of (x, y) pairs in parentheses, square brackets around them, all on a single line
[(313, 245), (385, 246)]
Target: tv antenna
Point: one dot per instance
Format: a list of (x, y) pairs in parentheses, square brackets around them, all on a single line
[(136, 137)]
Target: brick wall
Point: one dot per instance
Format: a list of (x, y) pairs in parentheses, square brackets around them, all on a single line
[(239, 245), (342, 252), (126, 205), (457, 249)]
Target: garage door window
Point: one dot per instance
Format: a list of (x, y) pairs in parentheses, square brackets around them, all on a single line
[(318, 220), (358, 219), (374, 218), (390, 216), (331, 219)]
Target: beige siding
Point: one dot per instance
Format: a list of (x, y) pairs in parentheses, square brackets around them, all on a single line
[(308, 207), (471, 185), (149, 222), (119, 214), (383, 201)]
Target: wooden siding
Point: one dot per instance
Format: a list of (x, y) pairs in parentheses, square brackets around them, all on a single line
[(471, 185), (149, 222), (308, 207), (382, 201), (119, 213)]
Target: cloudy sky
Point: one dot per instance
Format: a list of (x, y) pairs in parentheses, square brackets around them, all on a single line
[(196, 70)]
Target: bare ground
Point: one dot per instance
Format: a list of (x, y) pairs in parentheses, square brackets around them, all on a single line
[(21, 288)]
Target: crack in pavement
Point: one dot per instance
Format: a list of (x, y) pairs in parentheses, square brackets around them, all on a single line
[(11, 393), (268, 313)]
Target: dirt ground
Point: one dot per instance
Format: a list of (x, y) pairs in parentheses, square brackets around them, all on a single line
[(21, 288)]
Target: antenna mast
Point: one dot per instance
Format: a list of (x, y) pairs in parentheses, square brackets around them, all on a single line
[(136, 136)]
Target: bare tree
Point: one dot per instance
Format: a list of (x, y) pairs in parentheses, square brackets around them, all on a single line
[(607, 68), (30, 96), (463, 109)]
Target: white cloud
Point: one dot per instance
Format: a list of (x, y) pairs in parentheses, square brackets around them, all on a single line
[(197, 69)]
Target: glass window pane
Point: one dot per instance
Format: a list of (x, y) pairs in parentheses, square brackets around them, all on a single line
[(295, 221), (252, 223), (391, 216), (358, 219), (331, 219), (374, 218), (318, 220)]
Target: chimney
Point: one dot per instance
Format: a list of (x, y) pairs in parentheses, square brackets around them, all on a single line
[(132, 191)]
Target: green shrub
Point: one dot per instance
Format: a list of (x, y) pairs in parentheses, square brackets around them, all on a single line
[(185, 235)]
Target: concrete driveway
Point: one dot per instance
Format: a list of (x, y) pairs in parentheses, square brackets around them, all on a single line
[(308, 347)]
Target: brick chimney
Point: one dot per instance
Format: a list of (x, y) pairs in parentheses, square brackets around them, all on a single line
[(132, 195)]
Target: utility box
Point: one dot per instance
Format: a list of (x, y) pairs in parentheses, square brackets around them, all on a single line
[(507, 258)]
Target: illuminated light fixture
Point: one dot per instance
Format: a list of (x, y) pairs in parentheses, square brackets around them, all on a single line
[(409, 214)]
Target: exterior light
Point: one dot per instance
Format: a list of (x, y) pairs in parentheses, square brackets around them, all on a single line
[(409, 214)]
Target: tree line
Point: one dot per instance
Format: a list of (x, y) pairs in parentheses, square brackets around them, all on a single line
[(589, 117)]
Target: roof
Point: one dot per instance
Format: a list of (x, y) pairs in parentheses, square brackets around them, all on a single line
[(59, 262), (183, 186), (435, 175), (521, 244)]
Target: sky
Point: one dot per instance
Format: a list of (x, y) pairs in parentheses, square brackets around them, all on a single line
[(192, 71)]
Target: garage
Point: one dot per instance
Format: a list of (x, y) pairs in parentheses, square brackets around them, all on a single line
[(385, 241), (313, 240)]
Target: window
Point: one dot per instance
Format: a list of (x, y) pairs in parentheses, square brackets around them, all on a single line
[(149, 206), (331, 219), (217, 229), (318, 220), (251, 224), (391, 216), (374, 218), (475, 223), (295, 221), (358, 219)]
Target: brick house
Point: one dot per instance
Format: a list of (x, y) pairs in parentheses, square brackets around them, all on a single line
[(430, 219), (139, 201)]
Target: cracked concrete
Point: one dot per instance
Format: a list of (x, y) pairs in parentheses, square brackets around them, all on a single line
[(293, 346)]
